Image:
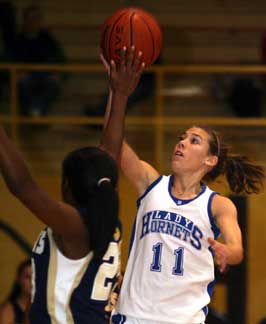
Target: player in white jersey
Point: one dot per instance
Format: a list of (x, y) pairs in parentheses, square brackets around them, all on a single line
[(76, 258), (170, 272)]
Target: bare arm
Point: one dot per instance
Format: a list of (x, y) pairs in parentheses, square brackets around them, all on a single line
[(61, 217), (123, 81), (231, 251), (139, 173), (7, 315)]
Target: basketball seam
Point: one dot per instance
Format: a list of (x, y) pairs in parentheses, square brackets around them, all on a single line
[(110, 36), (131, 28), (153, 47)]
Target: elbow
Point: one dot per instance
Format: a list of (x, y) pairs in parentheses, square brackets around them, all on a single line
[(241, 256)]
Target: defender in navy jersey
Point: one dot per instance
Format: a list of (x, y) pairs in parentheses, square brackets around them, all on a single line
[(170, 272), (76, 259), (81, 287)]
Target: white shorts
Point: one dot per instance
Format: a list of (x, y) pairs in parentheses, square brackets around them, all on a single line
[(122, 319)]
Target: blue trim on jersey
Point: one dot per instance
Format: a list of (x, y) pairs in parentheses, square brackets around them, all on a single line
[(38, 311), (149, 188), (205, 310), (132, 236), (210, 289), (179, 201), (119, 319), (214, 227)]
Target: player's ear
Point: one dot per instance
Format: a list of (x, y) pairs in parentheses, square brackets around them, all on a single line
[(211, 160)]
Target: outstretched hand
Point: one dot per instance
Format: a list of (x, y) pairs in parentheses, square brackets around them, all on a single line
[(221, 254), (125, 77)]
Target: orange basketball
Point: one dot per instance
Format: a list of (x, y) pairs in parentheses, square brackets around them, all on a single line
[(127, 27)]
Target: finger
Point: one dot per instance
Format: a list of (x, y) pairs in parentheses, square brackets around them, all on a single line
[(105, 63), (131, 56), (112, 66), (136, 65), (123, 56), (222, 267), (140, 71), (226, 268), (211, 241), (142, 67)]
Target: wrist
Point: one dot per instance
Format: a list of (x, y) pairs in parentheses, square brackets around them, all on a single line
[(120, 94), (234, 254)]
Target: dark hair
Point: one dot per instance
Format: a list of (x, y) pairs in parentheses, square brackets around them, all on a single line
[(242, 175), (92, 177), (16, 289)]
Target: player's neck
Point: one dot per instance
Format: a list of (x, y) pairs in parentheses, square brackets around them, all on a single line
[(186, 190)]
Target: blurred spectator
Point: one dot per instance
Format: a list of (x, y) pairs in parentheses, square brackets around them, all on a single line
[(13, 310), (7, 37), (263, 48), (145, 89), (7, 27), (246, 97), (244, 93), (35, 44)]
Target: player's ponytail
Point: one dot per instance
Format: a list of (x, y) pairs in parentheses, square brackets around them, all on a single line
[(91, 175), (104, 206), (242, 174)]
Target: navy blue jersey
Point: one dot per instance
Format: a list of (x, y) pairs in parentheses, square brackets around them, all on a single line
[(85, 298)]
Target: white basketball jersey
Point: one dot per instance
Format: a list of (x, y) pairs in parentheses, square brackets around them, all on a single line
[(170, 271)]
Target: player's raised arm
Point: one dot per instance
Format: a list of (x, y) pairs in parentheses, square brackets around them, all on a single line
[(63, 218), (123, 81), (139, 173)]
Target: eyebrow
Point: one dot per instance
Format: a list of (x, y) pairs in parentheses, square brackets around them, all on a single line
[(194, 134)]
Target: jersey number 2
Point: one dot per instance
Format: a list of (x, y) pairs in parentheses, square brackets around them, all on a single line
[(107, 271), (156, 262)]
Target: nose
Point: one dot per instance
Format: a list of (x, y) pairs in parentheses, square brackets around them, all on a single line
[(181, 143)]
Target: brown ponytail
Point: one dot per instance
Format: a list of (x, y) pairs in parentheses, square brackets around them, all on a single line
[(242, 174)]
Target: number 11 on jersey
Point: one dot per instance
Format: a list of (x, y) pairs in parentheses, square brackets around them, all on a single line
[(156, 265)]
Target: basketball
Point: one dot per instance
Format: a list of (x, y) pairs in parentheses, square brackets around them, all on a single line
[(127, 27)]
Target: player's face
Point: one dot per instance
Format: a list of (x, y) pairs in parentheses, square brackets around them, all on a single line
[(191, 151)]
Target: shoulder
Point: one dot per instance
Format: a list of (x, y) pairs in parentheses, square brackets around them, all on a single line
[(6, 313), (222, 205)]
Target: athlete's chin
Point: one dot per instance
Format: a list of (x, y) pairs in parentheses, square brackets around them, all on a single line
[(176, 166)]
